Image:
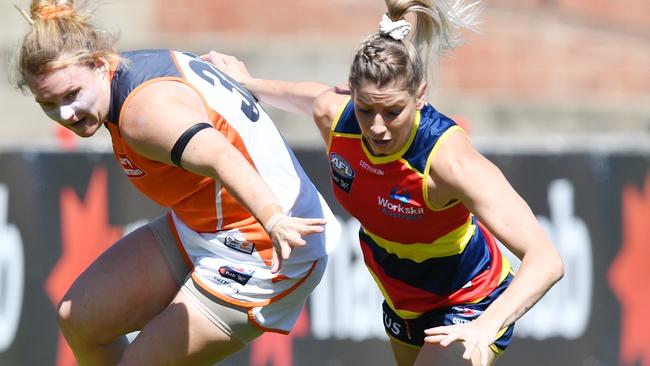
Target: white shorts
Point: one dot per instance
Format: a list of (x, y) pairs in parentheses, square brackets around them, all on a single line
[(232, 293)]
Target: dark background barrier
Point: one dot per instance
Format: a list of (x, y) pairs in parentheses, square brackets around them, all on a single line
[(59, 211)]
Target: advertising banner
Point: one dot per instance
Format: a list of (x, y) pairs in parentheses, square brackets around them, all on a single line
[(59, 211)]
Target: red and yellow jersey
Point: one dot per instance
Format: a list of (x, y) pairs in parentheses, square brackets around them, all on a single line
[(422, 258), (202, 203)]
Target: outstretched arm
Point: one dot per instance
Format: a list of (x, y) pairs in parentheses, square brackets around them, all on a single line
[(458, 171), (310, 98), (296, 97), (159, 114)]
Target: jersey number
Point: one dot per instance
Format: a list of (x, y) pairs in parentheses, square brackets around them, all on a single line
[(209, 73)]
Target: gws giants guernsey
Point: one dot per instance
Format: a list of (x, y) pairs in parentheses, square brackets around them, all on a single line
[(203, 210), (421, 258)]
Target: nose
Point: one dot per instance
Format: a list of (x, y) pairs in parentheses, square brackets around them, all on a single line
[(378, 125), (66, 112)]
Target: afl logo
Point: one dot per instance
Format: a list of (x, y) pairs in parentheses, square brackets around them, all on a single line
[(342, 172), (341, 167)]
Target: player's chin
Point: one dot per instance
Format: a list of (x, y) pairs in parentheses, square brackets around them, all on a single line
[(384, 151), (85, 128)]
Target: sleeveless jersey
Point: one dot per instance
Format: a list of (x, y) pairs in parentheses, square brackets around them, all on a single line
[(421, 258), (201, 203)]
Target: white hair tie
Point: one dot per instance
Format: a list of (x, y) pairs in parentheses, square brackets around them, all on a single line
[(396, 30)]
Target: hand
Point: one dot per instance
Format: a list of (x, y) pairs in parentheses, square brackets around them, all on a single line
[(286, 232), (474, 335), (230, 65)]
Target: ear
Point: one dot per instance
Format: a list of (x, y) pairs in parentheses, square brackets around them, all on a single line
[(352, 92), (421, 95), (101, 65)]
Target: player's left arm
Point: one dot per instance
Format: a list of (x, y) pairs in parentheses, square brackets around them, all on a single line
[(460, 172)]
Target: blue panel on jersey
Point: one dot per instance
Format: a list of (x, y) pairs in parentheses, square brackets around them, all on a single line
[(138, 67), (348, 121), (432, 125), (440, 276)]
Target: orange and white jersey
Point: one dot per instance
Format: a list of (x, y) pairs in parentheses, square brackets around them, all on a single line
[(223, 241)]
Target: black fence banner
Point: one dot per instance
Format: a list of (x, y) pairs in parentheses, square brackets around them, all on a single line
[(59, 211)]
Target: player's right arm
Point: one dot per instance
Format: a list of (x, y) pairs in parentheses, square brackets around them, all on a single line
[(154, 121), (312, 98)]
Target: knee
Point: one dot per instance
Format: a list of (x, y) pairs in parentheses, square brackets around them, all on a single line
[(76, 324), (68, 320)]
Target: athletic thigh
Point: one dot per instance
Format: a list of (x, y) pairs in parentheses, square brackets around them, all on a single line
[(182, 335), (433, 354), (122, 290), (405, 354), (407, 336), (198, 328)]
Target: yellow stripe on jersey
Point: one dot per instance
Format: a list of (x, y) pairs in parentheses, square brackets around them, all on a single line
[(336, 122), (451, 244), (427, 167), (404, 314), (347, 135)]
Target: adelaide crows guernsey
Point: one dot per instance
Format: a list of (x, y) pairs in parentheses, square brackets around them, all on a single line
[(215, 230), (422, 258)]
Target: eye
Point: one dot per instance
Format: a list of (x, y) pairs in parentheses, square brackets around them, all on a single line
[(72, 94), (46, 105), (363, 110), (391, 114)]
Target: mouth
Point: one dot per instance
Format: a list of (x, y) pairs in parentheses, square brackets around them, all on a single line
[(79, 123), (380, 142)]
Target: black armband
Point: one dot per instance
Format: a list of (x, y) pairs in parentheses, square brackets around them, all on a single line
[(181, 143)]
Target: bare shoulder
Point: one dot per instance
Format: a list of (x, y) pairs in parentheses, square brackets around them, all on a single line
[(327, 106), (164, 102), (454, 169), (157, 114), (455, 157)]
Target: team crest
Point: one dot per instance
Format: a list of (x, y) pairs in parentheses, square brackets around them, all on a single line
[(131, 170)]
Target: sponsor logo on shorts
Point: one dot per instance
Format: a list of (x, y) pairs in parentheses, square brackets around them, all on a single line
[(342, 172), (463, 314), (392, 325), (239, 245), (238, 275), (131, 170), (223, 282), (458, 320), (466, 312)]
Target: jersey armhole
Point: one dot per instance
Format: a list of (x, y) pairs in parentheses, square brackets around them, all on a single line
[(427, 170), (335, 122)]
